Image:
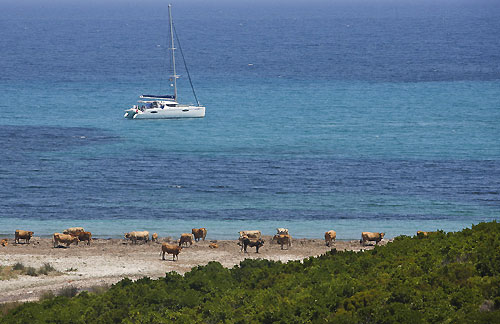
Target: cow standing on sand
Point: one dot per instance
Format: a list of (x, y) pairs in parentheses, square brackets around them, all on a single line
[(138, 236), (25, 235), (199, 233), (64, 239), (248, 234), (186, 238), (283, 239), (370, 236), (83, 236), (330, 237), (154, 237), (170, 249), (4, 242), (257, 243)]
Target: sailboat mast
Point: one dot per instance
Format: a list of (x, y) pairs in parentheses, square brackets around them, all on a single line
[(173, 49)]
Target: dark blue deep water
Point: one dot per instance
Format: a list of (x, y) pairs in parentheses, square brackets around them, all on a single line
[(354, 116)]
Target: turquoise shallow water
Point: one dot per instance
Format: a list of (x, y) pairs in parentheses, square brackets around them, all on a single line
[(378, 126)]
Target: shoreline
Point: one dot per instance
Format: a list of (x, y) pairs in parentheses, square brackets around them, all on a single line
[(107, 261), (175, 236), (220, 229), (171, 239)]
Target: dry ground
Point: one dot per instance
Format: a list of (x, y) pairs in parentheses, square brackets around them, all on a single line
[(106, 261)]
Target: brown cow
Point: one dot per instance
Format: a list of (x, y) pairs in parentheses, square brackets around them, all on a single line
[(170, 249), (83, 236), (369, 236), (186, 238), (257, 243), (25, 235), (213, 246), (154, 237), (329, 237), (4, 242), (422, 234), (64, 238), (283, 239), (251, 234), (73, 230), (199, 233)]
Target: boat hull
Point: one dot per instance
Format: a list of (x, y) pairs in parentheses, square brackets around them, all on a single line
[(167, 113)]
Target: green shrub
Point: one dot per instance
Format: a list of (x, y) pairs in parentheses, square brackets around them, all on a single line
[(46, 269), (68, 292), (47, 295), (30, 271), (98, 289)]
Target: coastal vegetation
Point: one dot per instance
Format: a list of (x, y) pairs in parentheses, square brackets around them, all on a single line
[(9, 272), (439, 278)]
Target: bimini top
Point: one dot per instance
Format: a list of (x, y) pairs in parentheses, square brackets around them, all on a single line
[(157, 97)]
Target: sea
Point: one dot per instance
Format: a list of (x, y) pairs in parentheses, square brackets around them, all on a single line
[(355, 116)]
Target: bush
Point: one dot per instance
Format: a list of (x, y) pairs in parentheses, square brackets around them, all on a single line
[(68, 292), (47, 295), (46, 269), (98, 289), (30, 271)]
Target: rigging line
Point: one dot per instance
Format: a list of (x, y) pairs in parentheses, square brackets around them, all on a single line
[(185, 65)]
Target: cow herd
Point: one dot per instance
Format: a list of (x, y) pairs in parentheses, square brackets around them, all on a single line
[(67, 237), (246, 239)]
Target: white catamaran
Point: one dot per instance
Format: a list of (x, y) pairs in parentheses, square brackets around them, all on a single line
[(166, 106)]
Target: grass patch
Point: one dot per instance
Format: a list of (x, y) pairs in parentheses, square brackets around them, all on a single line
[(7, 272), (46, 269), (11, 272), (7, 307), (18, 266), (30, 271)]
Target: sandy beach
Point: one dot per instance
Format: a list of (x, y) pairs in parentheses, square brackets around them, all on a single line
[(107, 261)]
